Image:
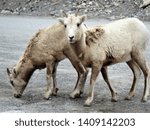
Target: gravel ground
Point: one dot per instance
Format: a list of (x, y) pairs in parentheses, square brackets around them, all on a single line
[(13, 41), (110, 9)]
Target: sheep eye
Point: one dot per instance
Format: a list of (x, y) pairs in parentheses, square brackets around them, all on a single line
[(65, 25), (78, 24)]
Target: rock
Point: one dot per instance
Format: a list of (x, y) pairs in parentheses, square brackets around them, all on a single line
[(24, 8), (90, 3), (109, 11), (116, 3), (83, 4), (52, 13), (16, 13), (85, 11), (6, 11)]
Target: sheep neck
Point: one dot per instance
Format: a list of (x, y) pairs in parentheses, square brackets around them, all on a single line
[(80, 46), (25, 70)]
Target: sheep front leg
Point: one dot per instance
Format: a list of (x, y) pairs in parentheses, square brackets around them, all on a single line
[(95, 71), (79, 88), (50, 87), (70, 54)]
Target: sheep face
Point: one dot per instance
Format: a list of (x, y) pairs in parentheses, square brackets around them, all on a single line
[(18, 84), (73, 27)]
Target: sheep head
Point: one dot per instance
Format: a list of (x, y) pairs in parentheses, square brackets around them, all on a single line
[(73, 25), (18, 85)]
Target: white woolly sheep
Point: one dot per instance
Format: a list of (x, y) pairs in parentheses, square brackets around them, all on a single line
[(75, 31), (120, 41)]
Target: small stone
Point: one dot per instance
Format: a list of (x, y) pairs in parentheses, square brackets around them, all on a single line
[(109, 11), (112, 18), (6, 12), (116, 4), (85, 11), (16, 13), (83, 4), (90, 3), (23, 8)]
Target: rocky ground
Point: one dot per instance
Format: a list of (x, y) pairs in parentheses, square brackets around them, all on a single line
[(111, 9)]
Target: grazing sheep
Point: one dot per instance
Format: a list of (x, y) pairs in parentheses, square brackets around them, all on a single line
[(120, 41), (45, 49)]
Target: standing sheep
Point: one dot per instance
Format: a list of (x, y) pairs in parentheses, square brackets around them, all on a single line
[(120, 41), (75, 31), (45, 49)]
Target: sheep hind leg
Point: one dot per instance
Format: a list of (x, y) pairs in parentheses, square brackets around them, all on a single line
[(137, 73), (79, 88), (142, 63), (95, 71), (54, 79), (112, 90)]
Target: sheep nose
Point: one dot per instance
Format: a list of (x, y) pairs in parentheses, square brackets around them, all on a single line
[(71, 38), (17, 95)]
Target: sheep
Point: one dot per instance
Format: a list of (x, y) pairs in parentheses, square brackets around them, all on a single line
[(75, 31), (120, 41), (48, 47)]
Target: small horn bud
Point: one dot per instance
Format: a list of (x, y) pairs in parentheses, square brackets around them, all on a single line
[(77, 11), (64, 13)]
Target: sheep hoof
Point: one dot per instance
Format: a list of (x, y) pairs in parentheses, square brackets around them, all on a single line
[(47, 95), (144, 99), (113, 100), (46, 98), (75, 94), (88, 102), (55, 91), (87, 105), (127, 98)]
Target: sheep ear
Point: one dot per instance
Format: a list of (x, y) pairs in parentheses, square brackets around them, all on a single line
[(82, 18), (14, 71), (8, 71), (61, 20)]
